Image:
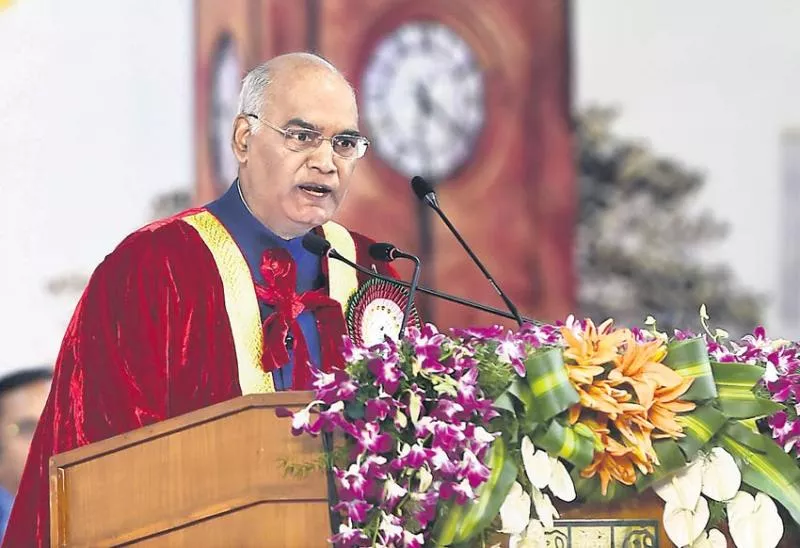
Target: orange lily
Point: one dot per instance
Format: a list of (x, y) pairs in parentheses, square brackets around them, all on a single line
[(666, 406), (616, 462), (640, 366), (590, 349)]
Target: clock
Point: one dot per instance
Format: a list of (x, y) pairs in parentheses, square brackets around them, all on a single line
[(423, 99), (226, 71)]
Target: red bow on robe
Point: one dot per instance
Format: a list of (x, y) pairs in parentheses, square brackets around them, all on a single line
[(280, 275)]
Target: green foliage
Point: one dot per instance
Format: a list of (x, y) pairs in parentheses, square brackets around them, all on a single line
[(640, 244), (301, 470)]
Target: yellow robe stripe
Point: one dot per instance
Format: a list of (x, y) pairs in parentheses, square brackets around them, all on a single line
[(343, 280), (241, 303)]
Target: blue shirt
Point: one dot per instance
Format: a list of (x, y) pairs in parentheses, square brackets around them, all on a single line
[(6, 502), (253, 238)]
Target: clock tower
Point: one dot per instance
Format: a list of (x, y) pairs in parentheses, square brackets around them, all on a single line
[(472, 95)]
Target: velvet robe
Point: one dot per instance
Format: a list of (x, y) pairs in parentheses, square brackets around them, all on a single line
[(150, 339)]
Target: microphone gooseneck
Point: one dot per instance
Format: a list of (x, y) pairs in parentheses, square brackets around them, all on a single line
[(425, 192), (387, 253), (324, 249)]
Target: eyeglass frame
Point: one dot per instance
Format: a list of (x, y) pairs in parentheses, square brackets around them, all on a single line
[(319, 140)]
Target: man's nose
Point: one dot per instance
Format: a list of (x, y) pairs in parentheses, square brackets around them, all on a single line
[(321, 158)]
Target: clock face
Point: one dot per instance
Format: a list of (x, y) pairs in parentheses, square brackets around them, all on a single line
[(226, 73), (423, 100)]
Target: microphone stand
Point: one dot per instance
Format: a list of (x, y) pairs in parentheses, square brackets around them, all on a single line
[(452, 298), (412, 290)]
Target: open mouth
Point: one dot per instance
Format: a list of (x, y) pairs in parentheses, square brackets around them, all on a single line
[(318, 191)]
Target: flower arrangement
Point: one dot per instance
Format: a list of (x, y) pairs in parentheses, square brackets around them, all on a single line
[(451, 438)]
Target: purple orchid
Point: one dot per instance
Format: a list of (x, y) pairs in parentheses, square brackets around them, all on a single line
[(392, 493), (425, 506), (461, 492), (353, 484), (447, 410), (447, 436), (387, 373), (441, 462), (391, 529), (467, 390), (540, 335), (474, 470), (786, 432), (375, 467), (369, 438), (348, 537), (482, 334), (411, 540), (411, 457), (301, 420), (377, 409), (511, 350), (355, 509)]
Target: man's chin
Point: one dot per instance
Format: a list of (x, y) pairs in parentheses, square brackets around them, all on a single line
[(315, 217)]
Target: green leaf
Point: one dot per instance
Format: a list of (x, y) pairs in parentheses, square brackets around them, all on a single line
[(735, 383), (744, 435), (670, 459), (565, 442), (737, 374), (549, 385), (505, 402), (689, 359), (462, 522), (772, 471), (699, 426)]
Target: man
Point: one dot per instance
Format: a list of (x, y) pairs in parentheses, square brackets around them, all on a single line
[(171, 321), (22, 397)]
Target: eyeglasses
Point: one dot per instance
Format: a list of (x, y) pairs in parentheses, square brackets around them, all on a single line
[(298, 139)]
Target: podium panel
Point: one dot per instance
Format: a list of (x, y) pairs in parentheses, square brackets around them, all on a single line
[(208, 478)]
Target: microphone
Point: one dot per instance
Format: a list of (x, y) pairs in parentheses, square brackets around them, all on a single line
[(321, 247), (425, 193), (386, 253)]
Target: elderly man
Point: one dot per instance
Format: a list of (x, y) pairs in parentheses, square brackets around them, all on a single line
[(216, 301)]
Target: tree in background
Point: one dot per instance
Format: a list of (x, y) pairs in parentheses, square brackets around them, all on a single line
[(640, 244)]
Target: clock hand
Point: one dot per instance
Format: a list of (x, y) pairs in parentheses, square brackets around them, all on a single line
[(429, 107), (455, 125), (424, 99)]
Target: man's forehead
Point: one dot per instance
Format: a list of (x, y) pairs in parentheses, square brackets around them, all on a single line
[(318, 97)]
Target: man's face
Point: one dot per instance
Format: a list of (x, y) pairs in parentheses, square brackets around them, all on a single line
[(20, 410), (290, 191)]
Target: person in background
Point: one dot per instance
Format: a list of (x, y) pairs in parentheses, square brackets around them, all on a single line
[(22, 398)]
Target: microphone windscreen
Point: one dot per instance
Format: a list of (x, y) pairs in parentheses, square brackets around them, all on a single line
[(421, 187), (316, 244), (382, 252)]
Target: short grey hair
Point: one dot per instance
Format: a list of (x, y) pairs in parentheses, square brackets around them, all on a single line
[(256, 83)]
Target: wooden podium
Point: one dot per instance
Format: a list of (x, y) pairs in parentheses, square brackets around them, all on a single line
[(208, 478)]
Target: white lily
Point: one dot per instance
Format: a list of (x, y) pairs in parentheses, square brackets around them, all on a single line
[(545, 511), (515, 513), (545, 471), (721, 476), (713, 474), (754, 521), (682, 489), (713, 539), (685, 525), (533, 537)]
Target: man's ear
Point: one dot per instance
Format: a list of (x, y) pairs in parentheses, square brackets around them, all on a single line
[(241, 136)]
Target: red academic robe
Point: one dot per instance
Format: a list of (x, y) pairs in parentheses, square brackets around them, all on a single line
[(150, 339)]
